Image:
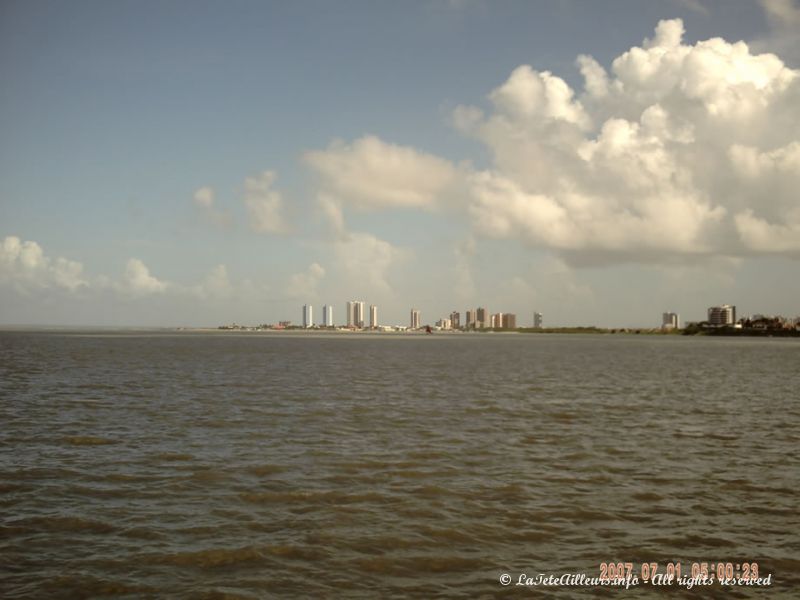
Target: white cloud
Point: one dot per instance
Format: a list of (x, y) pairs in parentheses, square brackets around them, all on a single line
[(670, 154), (678, 151), (532, 98), (783, 13), (264, 204), (464, 286), (695, 5), (138, 280), (365, 261), (25, 267), (204, 197), (783, 36), (762, 236), (217, 284), (304, 285), (334, 215), (372, 174)]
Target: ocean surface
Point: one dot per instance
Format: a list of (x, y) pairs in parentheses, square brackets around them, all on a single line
[(231, 465)]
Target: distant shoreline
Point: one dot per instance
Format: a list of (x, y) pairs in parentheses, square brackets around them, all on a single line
[(718, 332), (688, 332)]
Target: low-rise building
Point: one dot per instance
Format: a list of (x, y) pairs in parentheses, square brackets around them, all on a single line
[(670, 320), (721, 316)]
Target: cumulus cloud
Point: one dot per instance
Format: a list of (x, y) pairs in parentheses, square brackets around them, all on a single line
[(370, 174), (675, 152), (464, 285), (679, 150), (782, 13), (204, 197), (264, 204), (138, 280), (204, 201), (216, 284), (331, 209), (366, 260), (24, 266), (537, 99), (695, 5), (304, 285)]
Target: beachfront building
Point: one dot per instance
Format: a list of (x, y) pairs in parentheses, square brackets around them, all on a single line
[(327, 316), (355, 314), (414, 319), (469, 319), (444, 324), (482, 317), (373, 316), (455, 319), (721, 316), (509, 321), (537, 320), (670, 320), (358, 314), (308, 320)]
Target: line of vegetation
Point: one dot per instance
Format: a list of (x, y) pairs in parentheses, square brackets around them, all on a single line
[(700, 329)]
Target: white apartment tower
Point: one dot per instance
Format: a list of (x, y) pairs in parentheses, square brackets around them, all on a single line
[(355, 314), (308, 320), (359, 314), (327, 316), (373, 316), (414, 318)]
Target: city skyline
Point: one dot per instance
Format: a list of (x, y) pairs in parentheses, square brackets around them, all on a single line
[(163, 165), (721, 315)]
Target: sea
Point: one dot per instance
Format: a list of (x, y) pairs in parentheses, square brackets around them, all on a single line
[(225, 465)]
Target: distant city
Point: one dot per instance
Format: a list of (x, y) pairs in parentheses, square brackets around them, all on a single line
[(355, 319), (720, 320)]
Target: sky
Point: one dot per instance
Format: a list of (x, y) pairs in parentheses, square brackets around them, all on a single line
[(193, 163)]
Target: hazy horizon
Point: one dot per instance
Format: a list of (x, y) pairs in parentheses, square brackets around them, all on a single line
[(193, 164)]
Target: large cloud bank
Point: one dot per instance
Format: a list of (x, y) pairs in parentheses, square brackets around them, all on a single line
[(678, 151), (25, 266)]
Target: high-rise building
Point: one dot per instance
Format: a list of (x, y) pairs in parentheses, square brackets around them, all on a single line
[(509, 321), (537, 320), (482, 317), (670, 320), (327, 316), (355, 314), (358, 314), (414, 319), (469, 319), (722, 315), (455, 319), (373, 316), (308, 320)]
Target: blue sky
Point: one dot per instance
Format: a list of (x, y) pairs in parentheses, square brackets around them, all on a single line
[(196, 163)]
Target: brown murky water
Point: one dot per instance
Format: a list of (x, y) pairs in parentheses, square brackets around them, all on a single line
[(333, 466)]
